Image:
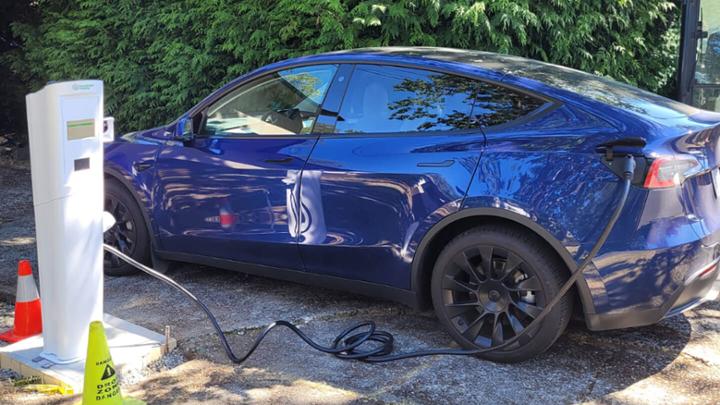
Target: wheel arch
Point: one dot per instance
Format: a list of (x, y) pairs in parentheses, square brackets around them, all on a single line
[(454, 224), (117, 176)]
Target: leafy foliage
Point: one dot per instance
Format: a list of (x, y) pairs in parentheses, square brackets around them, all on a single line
[(159, 57), (12, 87)]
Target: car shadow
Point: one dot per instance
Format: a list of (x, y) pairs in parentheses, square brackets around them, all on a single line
[(581, 365), (621, 358)]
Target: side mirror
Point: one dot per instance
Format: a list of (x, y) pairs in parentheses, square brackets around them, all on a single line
[(184, 130)]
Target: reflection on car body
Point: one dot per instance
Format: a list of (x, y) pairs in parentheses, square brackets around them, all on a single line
[(472, 181)]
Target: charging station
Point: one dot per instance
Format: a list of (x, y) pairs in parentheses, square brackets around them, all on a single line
[(65, 122), (66, 133)]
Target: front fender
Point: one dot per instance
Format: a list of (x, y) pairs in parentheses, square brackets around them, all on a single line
[(120, 160)]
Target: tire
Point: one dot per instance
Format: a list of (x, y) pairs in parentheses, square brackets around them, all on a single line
[(129, 234), (481, 309)]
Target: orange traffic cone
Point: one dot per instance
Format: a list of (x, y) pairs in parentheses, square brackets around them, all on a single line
[(28, 317)]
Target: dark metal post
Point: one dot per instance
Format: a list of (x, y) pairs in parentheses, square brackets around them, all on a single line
[(690, 32)]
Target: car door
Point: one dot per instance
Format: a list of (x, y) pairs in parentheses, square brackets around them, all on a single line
[(399, 158), (230, 192)]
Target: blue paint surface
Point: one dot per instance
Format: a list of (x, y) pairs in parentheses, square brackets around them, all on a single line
[(358, 206)]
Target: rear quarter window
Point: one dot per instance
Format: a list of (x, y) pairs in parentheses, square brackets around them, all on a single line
[(496, 105)]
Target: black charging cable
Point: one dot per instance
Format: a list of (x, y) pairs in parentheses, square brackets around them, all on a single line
[(347, 345)]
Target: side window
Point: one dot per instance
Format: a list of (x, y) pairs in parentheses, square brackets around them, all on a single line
[(282, 103), (393, 99)]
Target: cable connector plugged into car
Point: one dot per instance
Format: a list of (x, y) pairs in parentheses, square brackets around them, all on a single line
[(628, 165), (615, 154)]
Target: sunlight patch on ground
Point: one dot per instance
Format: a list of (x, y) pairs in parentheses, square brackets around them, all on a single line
[(303, 392), (684, 381), (17, 241), (649, 391), (699, 350), (202, 380)]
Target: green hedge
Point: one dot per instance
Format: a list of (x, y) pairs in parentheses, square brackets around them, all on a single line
[(159, 57)]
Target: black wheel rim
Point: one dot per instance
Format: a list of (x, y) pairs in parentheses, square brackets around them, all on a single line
[(123, 235), (490, 295)]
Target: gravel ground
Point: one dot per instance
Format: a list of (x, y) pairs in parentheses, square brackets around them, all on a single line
[(676, 361)]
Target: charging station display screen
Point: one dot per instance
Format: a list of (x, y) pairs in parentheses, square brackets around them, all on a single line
[(80, 129)]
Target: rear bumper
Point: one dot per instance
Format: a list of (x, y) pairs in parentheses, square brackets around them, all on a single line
[(698, 287)]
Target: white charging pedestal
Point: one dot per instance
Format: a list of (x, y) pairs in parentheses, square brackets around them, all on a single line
[(65, 122)]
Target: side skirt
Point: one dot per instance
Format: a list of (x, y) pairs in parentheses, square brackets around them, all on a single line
[(381, 291)]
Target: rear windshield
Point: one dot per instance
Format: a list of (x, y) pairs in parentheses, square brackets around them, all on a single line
[(607, 91)]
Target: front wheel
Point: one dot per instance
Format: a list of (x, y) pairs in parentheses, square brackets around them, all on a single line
[(489, 284), (129, 234)]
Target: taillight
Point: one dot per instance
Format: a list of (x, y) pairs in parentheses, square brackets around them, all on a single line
[(670, 171)]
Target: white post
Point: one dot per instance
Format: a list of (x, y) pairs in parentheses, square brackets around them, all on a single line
[(65, 122)]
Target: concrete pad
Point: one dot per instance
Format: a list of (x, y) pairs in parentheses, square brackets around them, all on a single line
[(132, 348)]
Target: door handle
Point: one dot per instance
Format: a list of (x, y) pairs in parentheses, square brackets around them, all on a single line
[(283, 160), (444, 163), (140, 166)]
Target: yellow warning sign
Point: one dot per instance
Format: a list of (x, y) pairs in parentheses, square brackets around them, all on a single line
[(101, 381), (109, 372), (107, 388)]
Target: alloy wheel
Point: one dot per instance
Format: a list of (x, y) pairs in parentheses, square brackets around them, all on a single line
[(490, 295), (123, 235)]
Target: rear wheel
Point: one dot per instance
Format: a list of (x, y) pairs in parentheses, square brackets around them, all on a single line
[(490, 283), (129, 234)]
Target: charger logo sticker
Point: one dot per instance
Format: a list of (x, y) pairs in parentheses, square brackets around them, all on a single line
[(77, 87), (79, 129)]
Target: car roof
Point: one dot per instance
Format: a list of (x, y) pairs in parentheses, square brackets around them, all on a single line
[(501, 63), (639, 102)]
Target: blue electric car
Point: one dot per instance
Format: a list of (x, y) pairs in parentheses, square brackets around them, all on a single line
[(470, 181)]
